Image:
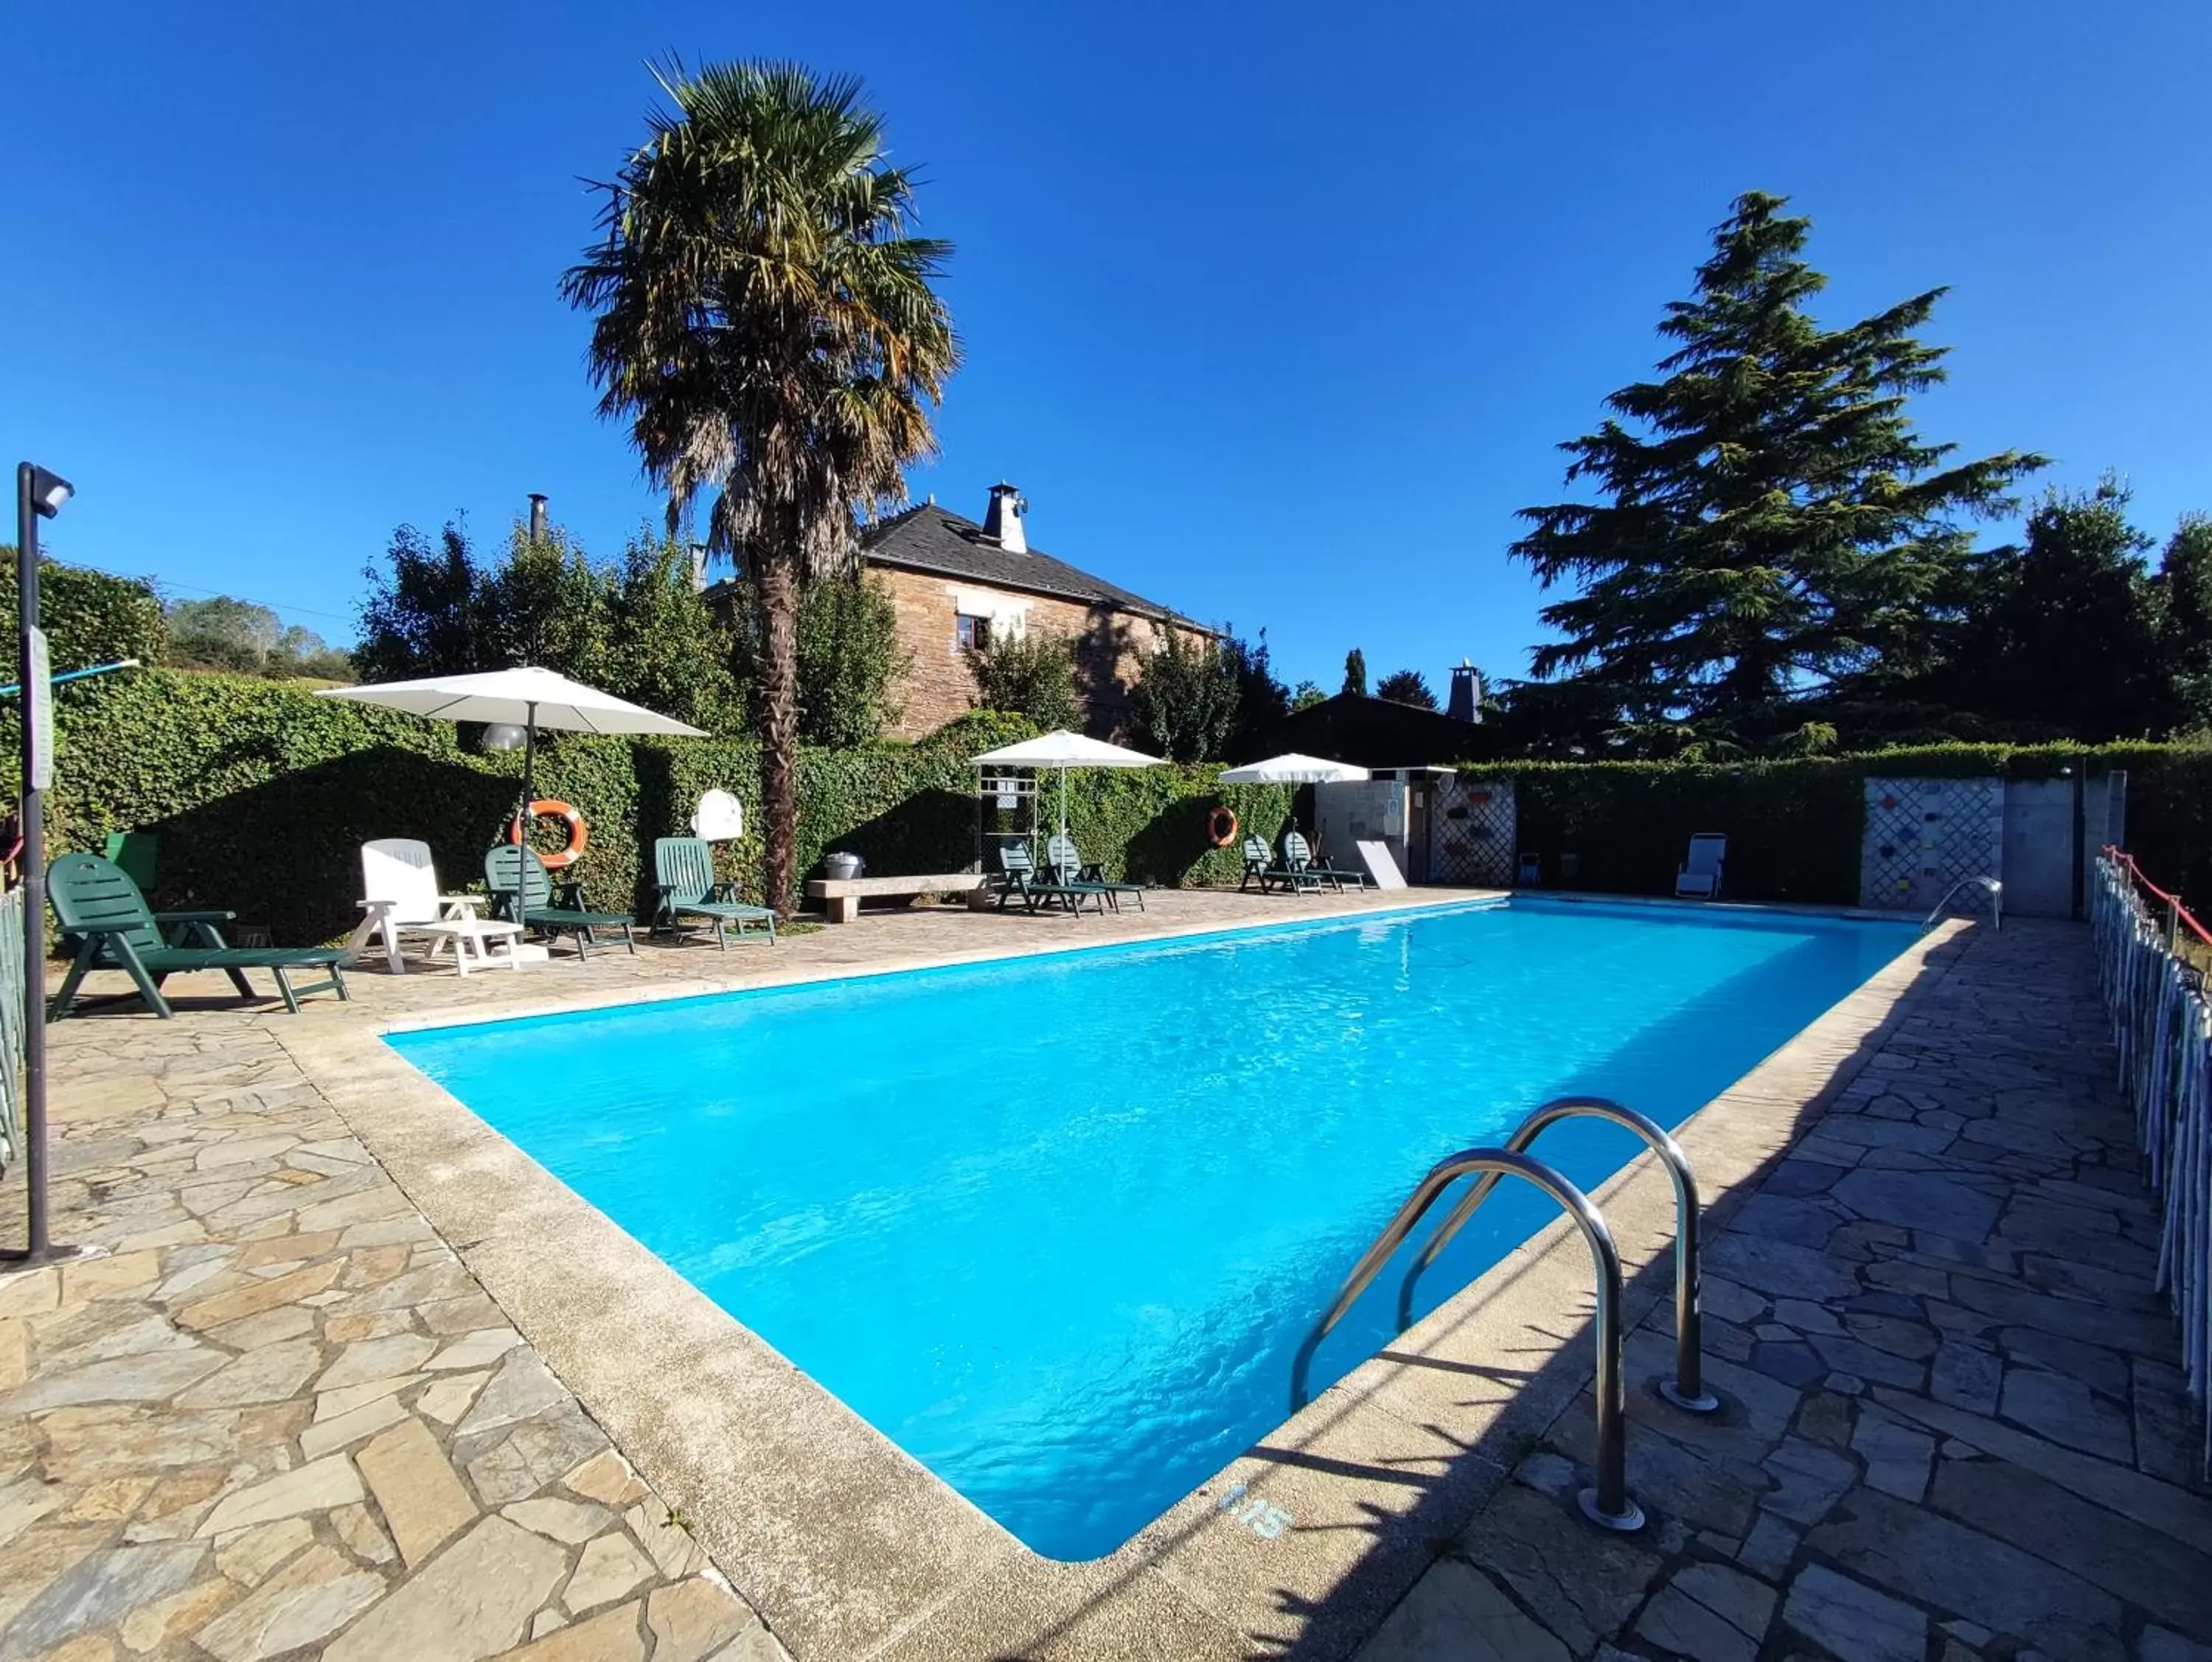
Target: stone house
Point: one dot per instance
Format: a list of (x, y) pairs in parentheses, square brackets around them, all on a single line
[(956, 584)]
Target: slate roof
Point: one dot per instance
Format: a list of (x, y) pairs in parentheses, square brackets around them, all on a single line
[(932, 539)]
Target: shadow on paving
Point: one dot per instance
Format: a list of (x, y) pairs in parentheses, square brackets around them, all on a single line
[(244, 851)]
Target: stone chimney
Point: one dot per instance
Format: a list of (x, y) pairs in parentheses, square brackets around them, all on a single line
[(1002, 520), (1466, 701)]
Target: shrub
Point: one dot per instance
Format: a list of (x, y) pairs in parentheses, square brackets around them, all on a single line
[(848, 657), (89, 616), (1031, 676), (1188, 698)]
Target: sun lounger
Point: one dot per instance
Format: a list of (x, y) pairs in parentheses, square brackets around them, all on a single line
[(557, 909), (1067, 868), (1259, 862), (1022, 878), (1700, 877), (95, 902), (400, 898), (1297, 856), (684, 869)]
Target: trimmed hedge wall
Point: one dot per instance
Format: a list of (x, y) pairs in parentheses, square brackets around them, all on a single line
[(262, 794), (2170, 825), (1795, 827)]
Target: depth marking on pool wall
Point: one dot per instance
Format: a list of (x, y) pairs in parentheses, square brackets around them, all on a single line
[(1265, 1520)]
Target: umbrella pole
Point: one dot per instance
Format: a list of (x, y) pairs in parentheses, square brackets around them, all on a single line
[(1063, 801), (522, 808)]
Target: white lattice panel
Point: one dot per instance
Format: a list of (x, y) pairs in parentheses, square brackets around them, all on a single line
[(1472, 833), (1924, 835)]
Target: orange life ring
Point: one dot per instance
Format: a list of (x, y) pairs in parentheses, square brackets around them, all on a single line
[(1221, 826), (552, 807)]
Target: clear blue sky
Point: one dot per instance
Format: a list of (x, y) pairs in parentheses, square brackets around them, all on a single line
[(1276, 313)]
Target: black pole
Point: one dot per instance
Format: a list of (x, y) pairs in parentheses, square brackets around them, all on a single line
[(33, 817)]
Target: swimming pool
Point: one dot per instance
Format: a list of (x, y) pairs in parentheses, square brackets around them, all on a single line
[(1056, 1225)]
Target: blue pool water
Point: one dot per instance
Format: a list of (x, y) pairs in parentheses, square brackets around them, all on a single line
[(1057, 1225)]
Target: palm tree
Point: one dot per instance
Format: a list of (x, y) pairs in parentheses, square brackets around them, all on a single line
[(767, 328)]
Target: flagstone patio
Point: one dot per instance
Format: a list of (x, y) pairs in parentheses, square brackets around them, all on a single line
[(280, 1416), (1955, 1427)]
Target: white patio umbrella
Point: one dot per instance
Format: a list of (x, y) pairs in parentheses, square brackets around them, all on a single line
[(1064, 751), (1293, 770), (528, 698)]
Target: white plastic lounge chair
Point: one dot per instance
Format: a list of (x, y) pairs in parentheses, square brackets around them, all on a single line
[(400, 898), (1700, 877)]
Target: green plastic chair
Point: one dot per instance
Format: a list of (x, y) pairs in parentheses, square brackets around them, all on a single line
[(556, 908), (1259, 861), (684, 869), (1022, 878), (97, 904), (139, 855), (1297, 856), (1068, 869)]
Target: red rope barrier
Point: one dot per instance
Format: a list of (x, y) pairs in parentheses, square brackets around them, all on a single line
[(2181, 913)]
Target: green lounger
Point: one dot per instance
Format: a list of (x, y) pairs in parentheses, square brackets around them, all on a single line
[(556, 908), (139, 855), (97, 905), (1297, 855), (1022, 878), (1259, 861), (684, 869), (1067, 868)]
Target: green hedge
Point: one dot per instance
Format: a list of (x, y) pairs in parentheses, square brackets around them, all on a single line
[(2170, 825), (89, 616), (1795, 827), (262, 794)]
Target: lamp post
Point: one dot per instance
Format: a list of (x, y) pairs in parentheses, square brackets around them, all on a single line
[(38, 496)]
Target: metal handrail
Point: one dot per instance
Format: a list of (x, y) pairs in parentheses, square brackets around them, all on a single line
[(1686, 1390), (1996, 900), (1607, 1504)]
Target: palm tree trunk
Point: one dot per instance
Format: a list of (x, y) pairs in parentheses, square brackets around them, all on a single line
[(779, 603)]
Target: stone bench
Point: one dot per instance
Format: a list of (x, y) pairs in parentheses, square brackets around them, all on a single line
[(842, 896)]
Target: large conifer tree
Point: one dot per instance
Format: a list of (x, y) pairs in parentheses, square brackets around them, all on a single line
[(1770, 522)]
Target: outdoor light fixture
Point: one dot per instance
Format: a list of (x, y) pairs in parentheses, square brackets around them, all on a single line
[(502, 736), (48, 491), (40, 495)]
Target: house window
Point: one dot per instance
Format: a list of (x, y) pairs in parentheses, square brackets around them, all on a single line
[(970, 633)]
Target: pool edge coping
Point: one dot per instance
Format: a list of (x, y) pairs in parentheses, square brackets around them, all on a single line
[(848, 1545)]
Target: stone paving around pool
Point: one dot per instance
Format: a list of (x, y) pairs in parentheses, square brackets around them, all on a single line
[(1955, 1427), (278, 1415)]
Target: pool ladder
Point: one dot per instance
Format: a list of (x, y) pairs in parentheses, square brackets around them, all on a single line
[(1996, 900), (1608, 1502)]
